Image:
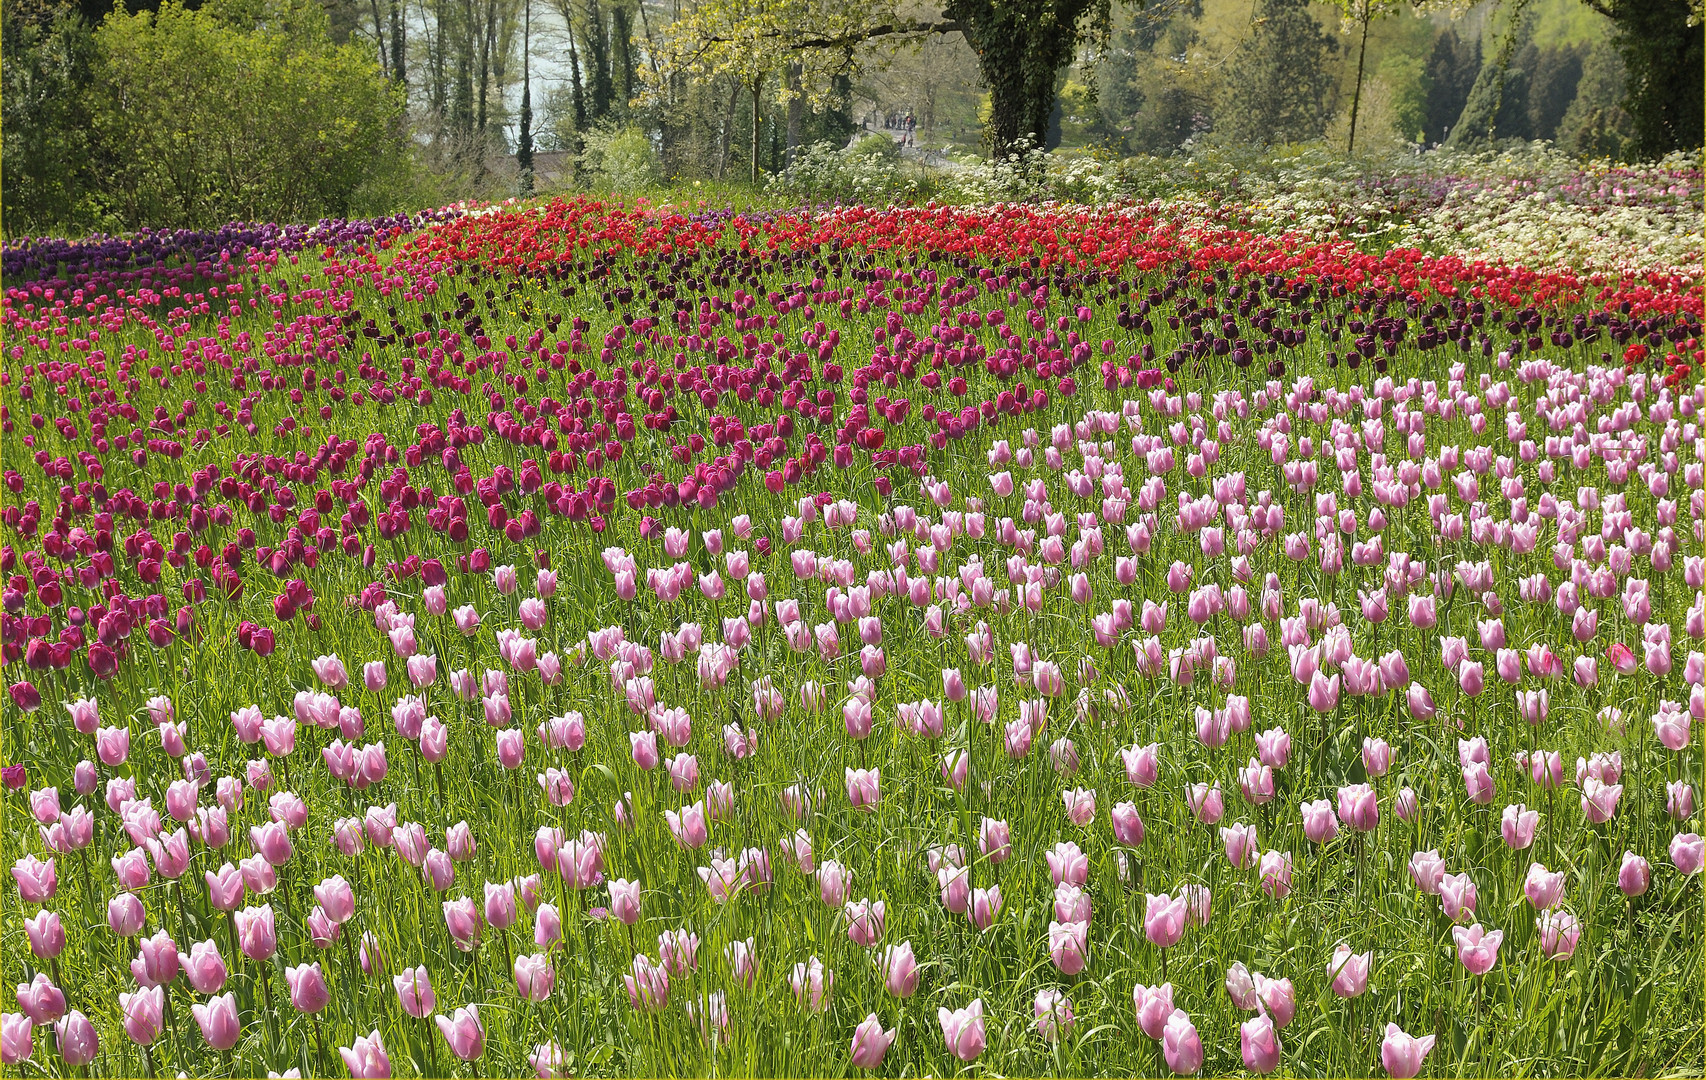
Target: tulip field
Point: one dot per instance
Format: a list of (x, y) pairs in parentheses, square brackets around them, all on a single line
[(610, 638)]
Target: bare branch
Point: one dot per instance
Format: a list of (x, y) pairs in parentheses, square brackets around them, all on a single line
[(853, 37)]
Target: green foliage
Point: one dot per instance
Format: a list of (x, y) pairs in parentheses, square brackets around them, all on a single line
[(1450, 73), (1664, 54), (207, 121), (47, 59), (1406, 77), (1539, 87), (1280, 91), (1596, 124), (875, 145), (1151, 95), (622, 159), (870, 171)]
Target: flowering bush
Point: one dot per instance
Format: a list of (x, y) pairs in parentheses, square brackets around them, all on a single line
[(600, 639)]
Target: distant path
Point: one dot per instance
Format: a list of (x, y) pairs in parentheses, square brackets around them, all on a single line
[(934, 159)]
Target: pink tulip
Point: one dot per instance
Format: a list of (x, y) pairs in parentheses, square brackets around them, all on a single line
[(1164, 920), (1273, 747), (1323, 695), (811, 983), (1275, 873), (41, 1001), (308, 990), (1634, 875), (1599, 800), (865, 921), (1278, 997), (143, 1014), (1348, 971), (1358, 807), (1517, 825), (78, 1043), (1376, 756), (125, 915), (870, 1043), (1206, 802), (1259, 1043), (367, 1059), (157, 962), (255, 933), (1068, 946), (1242, 849), (46, 934), (220, 1026), (1477, 949), (463, 1033), (900, 970), (1457, 897), (534, 977), (414, 992), (1478, 782), (1402, 1054), (1688, 853), (1240, 987), (1080, 805), (1154, 1006), (962, 1030), (1559, 933), (834, 882), (863, 789), (955, 885), (1053, 1012), (1142, 764), (203, 967), (1181, 1047)]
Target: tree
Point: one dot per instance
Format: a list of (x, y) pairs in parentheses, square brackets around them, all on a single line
[(524, 132), (1022, 46), (1361, 13), (205, 121), (1596, 124), (1279, 92), (1477, 124), (47, 60), (1664, 55), (1450, 73)]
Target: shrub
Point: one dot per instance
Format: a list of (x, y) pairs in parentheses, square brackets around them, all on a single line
[(203, 122), (622, 158)]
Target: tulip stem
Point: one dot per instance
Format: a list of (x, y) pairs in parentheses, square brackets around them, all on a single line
[(266, 1005), (320, 1041), (509, 962)]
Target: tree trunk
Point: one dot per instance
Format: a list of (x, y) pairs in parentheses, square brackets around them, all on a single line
[(462, 111), (577, 95), (524, 135), (1356, 96), (379, 36), (1021, 47), (757, 92), (486, 61), (435, 56), (622, 54), (598, 42), (795, 107), (728, 128), (397, 42)]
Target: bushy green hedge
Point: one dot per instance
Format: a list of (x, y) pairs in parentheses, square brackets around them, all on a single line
[(195, 118)]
